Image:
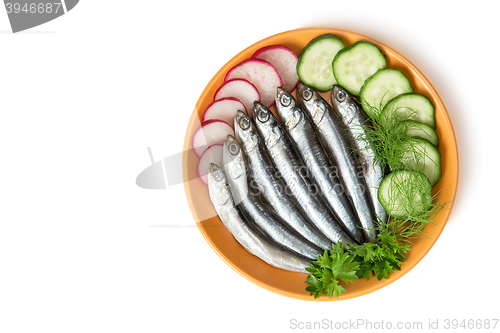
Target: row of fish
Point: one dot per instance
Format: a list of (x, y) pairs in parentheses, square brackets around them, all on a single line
[(288, 190)]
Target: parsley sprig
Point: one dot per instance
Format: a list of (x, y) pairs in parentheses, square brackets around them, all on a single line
[(348, 262), (355, 262), (329, 269), (381, 258)]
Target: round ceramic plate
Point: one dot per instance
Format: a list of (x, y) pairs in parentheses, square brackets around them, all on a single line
[(288, 283)]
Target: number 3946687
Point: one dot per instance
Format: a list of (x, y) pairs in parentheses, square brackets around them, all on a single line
[(32, 8)]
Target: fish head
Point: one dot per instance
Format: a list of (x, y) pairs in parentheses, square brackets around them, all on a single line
[(245, 131), (343, 103), (233, 163), (267, 125), (218, 188), (306, 95), (288, 108), (312, 103)]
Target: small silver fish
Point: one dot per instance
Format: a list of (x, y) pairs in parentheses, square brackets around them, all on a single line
[(294, 173), (335, 137), (355, 119), (269, 186), (254, 209), (252, 240), (322, 171)]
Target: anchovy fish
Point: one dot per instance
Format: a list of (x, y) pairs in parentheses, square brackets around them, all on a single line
[(322, 171), (355, 119), (291, 169), (254, 209), (334, 135), (270, 187), (252, 240)]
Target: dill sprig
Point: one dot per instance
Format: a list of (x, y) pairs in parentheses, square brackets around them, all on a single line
[(415, 222), (386, 134)]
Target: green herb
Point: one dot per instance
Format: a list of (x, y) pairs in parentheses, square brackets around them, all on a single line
[(329, 269), (381, 258), (359, 262), (414, 225), (386, 134), (348, 262)]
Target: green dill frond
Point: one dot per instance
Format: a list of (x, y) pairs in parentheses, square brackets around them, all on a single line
[(386, 133)]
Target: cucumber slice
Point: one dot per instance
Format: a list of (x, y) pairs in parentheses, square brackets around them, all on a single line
[(405, 194), (419, 130), (314, 66), (356, 63), (380, 88), (421, 155), (411, 107)]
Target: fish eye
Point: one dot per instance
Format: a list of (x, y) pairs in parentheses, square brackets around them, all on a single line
[(286, 100), (244, 123), (341, 96), (307, 94), (234, 148), (217, 175), (263, 116)]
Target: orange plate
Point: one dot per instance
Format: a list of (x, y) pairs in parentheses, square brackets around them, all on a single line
[(288, 283)]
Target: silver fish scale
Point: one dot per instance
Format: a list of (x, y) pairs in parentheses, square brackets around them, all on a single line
[(335, 138), (248, 237), (287, 162), (321, 170), (257, 213), (273, 191), (355, 119)]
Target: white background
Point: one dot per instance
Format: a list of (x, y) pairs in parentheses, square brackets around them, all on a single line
[(83, 96)]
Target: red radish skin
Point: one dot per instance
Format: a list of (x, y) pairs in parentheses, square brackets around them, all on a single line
[(240, 89), (212, 154), (261, 74), (208, 133), (285, 62), (224, 109)]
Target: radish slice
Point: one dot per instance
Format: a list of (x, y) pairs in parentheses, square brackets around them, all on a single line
[(208, 133), (285, 62), (224, 109), (240, 89), (261, 74), (212, 154)]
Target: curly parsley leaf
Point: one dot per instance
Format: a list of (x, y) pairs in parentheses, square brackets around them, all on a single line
[(356, 262), (386, 254), (329, 269), (381, 258)]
